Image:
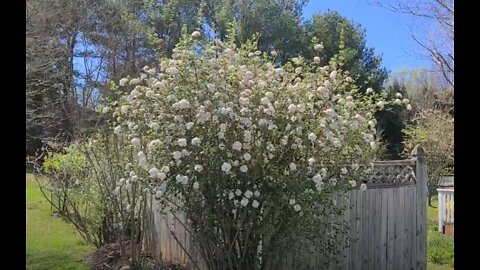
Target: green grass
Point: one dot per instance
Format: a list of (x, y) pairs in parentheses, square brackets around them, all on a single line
[(439, 246), (51, 242)]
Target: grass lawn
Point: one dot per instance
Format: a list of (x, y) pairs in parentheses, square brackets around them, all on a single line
[(439, 246), (51, 242)]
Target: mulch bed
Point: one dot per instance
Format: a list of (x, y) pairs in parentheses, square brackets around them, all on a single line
[(108, 258)]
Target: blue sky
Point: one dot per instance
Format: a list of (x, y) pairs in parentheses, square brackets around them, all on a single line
[(386, 31)]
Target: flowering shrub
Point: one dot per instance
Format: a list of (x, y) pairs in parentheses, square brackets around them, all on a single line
[(71, 189), (250, 151), (90, 189)]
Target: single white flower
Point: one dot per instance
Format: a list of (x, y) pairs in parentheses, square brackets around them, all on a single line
[(177, 155), (256, 193), (231, 195), (292, 166), (162, 176), (238, 192), (369, 90), (165, 169), (317, 178), (247, 156), (297, 207), (198, 168), (255, 203), (189, 125), (398, 95), (182, 142), (264, 101), (380, 104), (244, 202), (196, 35), (333, 75), (355, 166), (311, 161), (154, 125), (352, 183), (237, 146), (248, 194), (226, 167), (373, 145), (330, 112), (243, 168), (343, 170), (153, 172), (196, 185), (316, 60), (318, 47), (136, 142), (409, 107), (292, 108), (123, 81), (182, 104), (185, 153), (398, 101), (117, 130), (291, 201), (312, 137), (196, 141), (363, 187), (181, 179)]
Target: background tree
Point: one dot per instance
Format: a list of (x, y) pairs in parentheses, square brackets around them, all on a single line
[(345, 43), (432, 29)]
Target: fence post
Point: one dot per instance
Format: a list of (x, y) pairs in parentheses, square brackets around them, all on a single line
[(421, 176), (441, 210)]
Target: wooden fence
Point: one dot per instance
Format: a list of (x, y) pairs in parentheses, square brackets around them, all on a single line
[(387, 224)]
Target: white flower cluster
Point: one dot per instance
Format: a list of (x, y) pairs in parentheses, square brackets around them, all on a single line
[(231, 119)]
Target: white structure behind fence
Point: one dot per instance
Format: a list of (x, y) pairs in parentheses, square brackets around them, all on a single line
[(445, 207)]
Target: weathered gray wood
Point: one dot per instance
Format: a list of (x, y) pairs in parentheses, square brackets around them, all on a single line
[(421, 176), (347, 218), (396, 227), (390, 229), (371, 229), (365, 229), (353, 228), (406, 231), (377, 229), (403, 162), (358, 233), (401, 226), (384, 231)]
